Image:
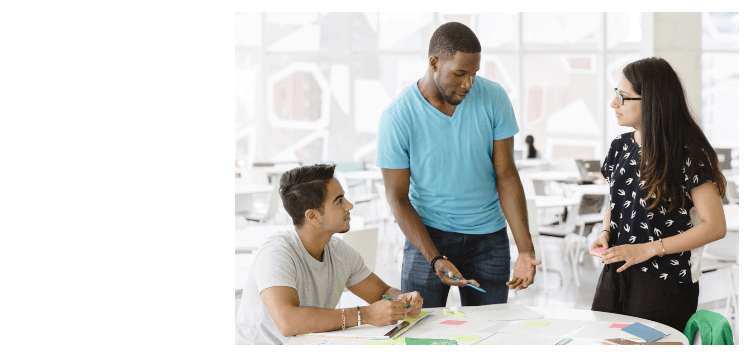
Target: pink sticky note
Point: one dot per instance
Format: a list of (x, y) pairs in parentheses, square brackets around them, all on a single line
[(619, 325), (596, 251), (453, 322)]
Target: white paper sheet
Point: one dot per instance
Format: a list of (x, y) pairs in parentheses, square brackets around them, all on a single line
[(555, 328), (507, 313), (515, 339)]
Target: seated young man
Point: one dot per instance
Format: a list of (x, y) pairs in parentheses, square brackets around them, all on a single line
[(297, 276)]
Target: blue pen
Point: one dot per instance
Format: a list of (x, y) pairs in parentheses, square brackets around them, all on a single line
[(467, 283)]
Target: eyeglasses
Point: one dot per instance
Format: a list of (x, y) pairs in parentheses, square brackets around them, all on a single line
[(622, 100)]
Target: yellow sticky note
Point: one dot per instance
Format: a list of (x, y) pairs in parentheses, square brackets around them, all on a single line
[(536, 323), (454, 313), (466, 338), (399, 340)]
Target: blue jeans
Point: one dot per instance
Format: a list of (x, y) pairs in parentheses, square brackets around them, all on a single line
[(481, 257)]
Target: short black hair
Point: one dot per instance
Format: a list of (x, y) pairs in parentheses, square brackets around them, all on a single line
[(304, 188), (452, 37)]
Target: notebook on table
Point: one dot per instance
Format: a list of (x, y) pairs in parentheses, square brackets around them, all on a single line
[(641, 332)]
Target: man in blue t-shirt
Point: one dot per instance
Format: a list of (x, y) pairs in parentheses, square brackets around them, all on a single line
[(446, 151)]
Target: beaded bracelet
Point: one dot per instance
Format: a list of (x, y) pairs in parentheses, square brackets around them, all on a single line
[(343, 320), (359, 318)]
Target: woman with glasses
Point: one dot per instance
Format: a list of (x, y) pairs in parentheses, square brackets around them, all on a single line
[(659, 175)]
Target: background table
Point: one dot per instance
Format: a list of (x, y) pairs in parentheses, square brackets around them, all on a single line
[(549, 313)]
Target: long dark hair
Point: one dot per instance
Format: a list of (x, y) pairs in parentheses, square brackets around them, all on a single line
[(670, 134)]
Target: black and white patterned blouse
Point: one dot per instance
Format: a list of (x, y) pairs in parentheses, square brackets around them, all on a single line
[(632, 223)]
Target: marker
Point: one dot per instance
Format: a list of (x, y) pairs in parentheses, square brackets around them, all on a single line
[(467, 283), (390, 299)]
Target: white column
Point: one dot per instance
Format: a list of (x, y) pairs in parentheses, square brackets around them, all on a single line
[(676, 38)]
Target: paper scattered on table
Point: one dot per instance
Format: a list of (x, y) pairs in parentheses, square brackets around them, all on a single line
[(506, 312), (339, 341), (536, 323), (554, 328), (453, 322), (515, 339), (466, 338)]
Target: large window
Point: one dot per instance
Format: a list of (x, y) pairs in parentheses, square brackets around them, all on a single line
[(312, 86), (721, 79)]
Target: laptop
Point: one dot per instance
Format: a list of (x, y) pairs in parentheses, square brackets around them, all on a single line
[(588, 166)]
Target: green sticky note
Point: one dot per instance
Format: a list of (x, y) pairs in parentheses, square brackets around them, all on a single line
[(466, 338), (429, 341), (536, 323)]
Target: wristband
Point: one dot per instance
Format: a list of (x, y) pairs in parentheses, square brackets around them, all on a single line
[(663, 251), (604, 230), (432, 262), (359, 318), (343, 320)]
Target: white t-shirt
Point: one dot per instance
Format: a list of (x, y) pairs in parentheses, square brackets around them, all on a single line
[(283, 261)]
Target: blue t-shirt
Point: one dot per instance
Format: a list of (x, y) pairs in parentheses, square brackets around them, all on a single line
[(452, 184)]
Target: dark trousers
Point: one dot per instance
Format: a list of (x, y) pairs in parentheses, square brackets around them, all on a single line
[(636, 293), (481, 257)]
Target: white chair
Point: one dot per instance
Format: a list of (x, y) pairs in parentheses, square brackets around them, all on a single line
[(733, 192), (365, 241), (722, 254), (572, 230), (260, 211)]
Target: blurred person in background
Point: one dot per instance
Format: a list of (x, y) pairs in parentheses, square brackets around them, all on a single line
[(445, 149), (657, 175), (531, 154)]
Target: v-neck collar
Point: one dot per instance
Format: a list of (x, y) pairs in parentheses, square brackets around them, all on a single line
[(436, 111)]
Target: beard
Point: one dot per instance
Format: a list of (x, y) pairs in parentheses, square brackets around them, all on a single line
[(446, 97)]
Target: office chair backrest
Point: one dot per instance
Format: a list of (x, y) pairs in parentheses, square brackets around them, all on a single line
[(365, 241)]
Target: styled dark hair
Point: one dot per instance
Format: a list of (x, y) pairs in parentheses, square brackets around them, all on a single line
[(304, 188), (452, 37), (670, 134)]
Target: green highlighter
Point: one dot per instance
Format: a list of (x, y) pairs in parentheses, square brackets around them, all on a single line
[(390, 299)]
